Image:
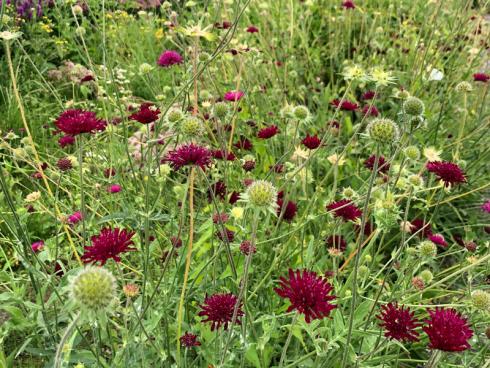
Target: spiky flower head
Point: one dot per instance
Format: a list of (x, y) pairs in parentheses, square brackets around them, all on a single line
[(191, 126), (412, 153), (481, 300), (218, 309), (416, 180), (383, 130), (450, 173), (189, 155), (399, 322), (174, 116), (348, 193), (94, 288), (261, 194), (75, 122), (413, 106), (386, 212), (221, 109), (427, 249), (308, 294), (301, 113), (110, 243), (345, 209), (448, 330), (464, 87), (427, 276)]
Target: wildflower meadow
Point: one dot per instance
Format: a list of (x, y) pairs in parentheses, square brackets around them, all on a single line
[(245, 183)]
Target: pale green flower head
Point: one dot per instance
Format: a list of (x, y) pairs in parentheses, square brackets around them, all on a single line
[(262, 195), (94, 289)]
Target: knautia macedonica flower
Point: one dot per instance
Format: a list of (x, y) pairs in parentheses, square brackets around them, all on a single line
[(413, 106), (261, 194), (169, 58), (189, 155), (311, 141), (288, 209), (399, 322), (383, 130), (345, 209), (448, 172), (345, 105), (37, 246), (485, 207), (383, 165), (218, 309), (308, 293), (110, 243), (438, 239), (234, 96), (75, 122), (447, 330), (189, 340), (94, 288), (268, 132), (147, 113), (481, 77)]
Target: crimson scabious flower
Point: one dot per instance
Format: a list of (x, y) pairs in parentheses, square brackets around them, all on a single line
[(311, 141), (217, 190), (481, 77), (368, 95), (383, 165), (114, 188), (268, 132), (337, 242), (244, 144), (37, 246), (370, 111), (448, 172), (348, 4), (75, 122), (345, 105), (288, 209), (345, 209), (246, 247), (226, 234), (189, 340), (399, 322), (66, 140), (148, 113), (75, 218), (108, 244), (222, 155), (252, 29), (418, 224), (485, 207), (438, 239), (187, 155), (447, 330), (308, 294), (218, 309), (234, 95), (169, 58)]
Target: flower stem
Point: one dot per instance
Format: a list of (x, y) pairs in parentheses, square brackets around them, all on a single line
[(58, 358), (434, 358), (288, 340)]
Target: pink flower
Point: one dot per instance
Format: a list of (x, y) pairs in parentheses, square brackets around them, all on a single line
[(188, 155), (447, 330), (108, 244), (66, 140), (234, 95), (37, 246), (399, 322), (345, 209), (169, 58), (370, 111), (148, 113), (368, 95), (481, 77), (345, 105), (114, 188), (75, 218), (348, 4), (486, 206), (438, 239)]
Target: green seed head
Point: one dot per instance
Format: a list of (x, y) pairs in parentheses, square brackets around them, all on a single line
[(174, 116), (481, 300), (261, 194), (427, 249), (94, 288), (191, 126), (301, 113), (416, 180), (426, 276), (221, 110), (383, 130), (413, 106), (412, 153), (464, 87)]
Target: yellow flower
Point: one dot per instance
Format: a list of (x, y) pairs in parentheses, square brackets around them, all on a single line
[(381, 77), (237, 213), (354, 72), (33, 197), (432, 154), (335, 159), (299, 153), (159, 34)]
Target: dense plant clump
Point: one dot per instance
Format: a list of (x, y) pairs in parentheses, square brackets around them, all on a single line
[(244, 183)]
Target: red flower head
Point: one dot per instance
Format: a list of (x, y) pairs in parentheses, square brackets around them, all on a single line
[(226, 234), (345, 209), (370, 111), (418, 224), (289, 209), (169, 58), (108, 244), (246, 247), (448, 172), (189, 154), (337, 242), (66, 140), (75, 218), (368, 95), (189, 340), (399, 322), (234, 95), (148, 113), (114, 188), (222, 154), (268, 132), (218, 310), (244, 144), (383, 166), (217, 190), (345, 105), (37, 246), (311, 141), (481, 77), (252, 29), (348, 4), (485, 207), (308, 294), (438, 239), (75, 122), (447, 330), (234, 197)]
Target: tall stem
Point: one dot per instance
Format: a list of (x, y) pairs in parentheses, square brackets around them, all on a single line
[(288, 340), (187, 261), (58, 358), (434, 358), (82, 192)]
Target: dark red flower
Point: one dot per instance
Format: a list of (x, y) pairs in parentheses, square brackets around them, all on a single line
[(248, 165), (217, 190), (176, 242), (337, 242), (187, 155), (308, 294), (234, 96), (399, 322), (220, 218), (234, 197), (75, 218), (246, 247), (64, 164), (226, 234), (383, 165), (75, 122), (169, 58), (66, 140), (438, 239), (148, 113), (311, 141), (189, 340), (348, 4), (222, 154), (252, 29), (108, 244), (345, 209), (110, 171), (447, 330), (448, 172), (268, 132), (370, 110), (288, 210), (418, 224), (244, 143), (218, 309), (481, 77), (345, 105), (368, 95)]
